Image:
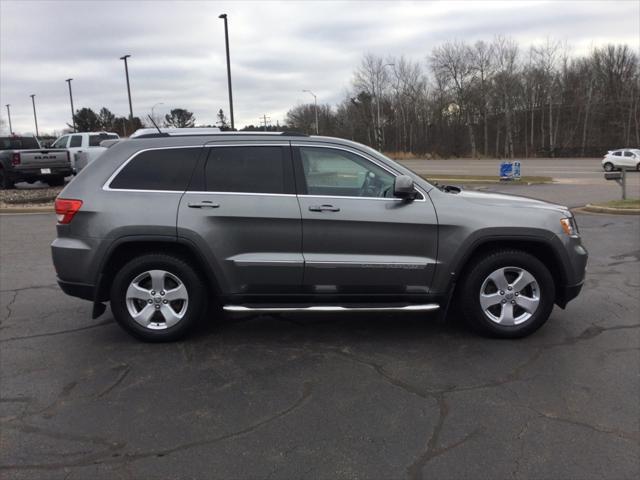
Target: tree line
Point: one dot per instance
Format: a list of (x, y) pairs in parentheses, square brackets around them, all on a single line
[(491, 99), (86, 120)]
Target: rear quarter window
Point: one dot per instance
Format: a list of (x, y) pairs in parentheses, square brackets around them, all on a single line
[(164, 169)]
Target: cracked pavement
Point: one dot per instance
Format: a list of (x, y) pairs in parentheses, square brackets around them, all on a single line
[(319, 396)]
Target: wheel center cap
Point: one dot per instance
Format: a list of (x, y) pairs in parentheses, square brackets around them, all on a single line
[(157, 299), (509, 296)]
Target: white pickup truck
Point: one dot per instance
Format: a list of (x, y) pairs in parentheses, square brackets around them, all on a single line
[(84, 142)]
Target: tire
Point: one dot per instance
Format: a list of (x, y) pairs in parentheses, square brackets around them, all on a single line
[(502, 313), (55, 181), (160, 319), (5, 182), (608, 167)]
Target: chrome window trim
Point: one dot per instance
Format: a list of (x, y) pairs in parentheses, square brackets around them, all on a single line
[(393, 173), (257, 194)]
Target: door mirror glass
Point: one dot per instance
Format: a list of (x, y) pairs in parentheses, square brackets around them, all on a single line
[(403, 187)]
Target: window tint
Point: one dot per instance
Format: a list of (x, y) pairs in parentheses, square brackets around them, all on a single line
[(166, 169), (61, 142), (76, 141), (94, 140), (628, 154), (18, 143), (340, 173), (617, 154), (247, 169)]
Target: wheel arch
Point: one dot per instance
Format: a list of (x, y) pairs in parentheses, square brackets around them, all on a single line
[(540, 248), (127, 248)]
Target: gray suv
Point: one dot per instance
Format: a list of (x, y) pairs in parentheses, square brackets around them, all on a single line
[(164, 227)]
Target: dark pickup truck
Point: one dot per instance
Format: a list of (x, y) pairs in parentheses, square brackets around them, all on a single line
[(23, 160)]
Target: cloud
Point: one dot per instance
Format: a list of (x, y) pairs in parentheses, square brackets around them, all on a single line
[(277, 48)]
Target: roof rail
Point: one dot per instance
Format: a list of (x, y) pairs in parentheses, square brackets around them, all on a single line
[(293, 133)]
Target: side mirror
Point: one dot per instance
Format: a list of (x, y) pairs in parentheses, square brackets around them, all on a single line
[(403, 187)]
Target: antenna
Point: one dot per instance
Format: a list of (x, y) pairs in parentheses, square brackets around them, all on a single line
[(154, 124)]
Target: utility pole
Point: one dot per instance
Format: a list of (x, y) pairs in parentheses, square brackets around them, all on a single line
[(315, 104), (35, 117), (126, 71), (73, 117), (226, 42), (264, 120), (9, 115)]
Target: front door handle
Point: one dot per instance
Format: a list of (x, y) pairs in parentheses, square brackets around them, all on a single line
[(204, 204), (323, 208)]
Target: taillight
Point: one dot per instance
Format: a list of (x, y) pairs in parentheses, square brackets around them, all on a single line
[(66, 209), (15, 159)]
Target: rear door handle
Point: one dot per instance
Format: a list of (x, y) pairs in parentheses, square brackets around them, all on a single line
[(204, 204), (323, 208)]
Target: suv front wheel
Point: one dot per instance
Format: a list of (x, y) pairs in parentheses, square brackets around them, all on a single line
[(508, 294), (157, 297)]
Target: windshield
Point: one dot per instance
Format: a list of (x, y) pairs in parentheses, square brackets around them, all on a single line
[(18, 143)]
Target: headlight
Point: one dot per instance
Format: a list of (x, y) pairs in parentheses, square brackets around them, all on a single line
[(570, 227)]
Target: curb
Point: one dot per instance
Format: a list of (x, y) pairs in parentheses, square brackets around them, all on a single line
[(611, 210), (27, 210)]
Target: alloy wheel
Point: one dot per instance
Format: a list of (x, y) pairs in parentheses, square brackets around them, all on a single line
[(509, 296), (157, 299)]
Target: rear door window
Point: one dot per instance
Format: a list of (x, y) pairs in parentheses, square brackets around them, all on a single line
[(76, 141), (249, 169), (94, 140), (167, 169)]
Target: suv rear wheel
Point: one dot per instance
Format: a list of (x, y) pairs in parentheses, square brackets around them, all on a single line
[(608, 167), (508, 294), (157, 297)]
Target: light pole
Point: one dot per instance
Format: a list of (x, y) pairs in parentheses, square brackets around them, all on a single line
[(73, 117), (315, 104), (226, 42), (35, 117), (9, 115), (159, 103), (126, 71), (379, 129)]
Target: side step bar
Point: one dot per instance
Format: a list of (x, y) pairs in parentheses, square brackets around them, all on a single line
[(330, 308)]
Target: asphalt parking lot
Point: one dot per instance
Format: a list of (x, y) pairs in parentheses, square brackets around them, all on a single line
[(336, 396)]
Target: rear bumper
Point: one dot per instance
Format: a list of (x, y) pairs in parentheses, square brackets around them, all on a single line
[(80, 290), (35, 172)]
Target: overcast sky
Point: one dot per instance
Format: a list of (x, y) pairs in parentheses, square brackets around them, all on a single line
[(277, 48)]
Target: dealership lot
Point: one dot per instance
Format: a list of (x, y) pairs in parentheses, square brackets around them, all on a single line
[(356, 396)]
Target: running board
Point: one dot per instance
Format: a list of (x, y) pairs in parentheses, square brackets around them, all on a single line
[(331, 308)]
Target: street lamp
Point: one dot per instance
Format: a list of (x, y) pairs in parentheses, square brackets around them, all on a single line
[(9, 115), (35, 117), (152, 108), (379, 129), (126, 71), (226, 41), (315, 103), (73, 117)]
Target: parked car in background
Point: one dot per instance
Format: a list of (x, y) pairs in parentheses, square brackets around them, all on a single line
[(163, 223), (83, 141), (627, 158), (22, 160), (85, 158)]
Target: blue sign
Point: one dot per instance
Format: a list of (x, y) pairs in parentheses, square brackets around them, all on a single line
[(506, 170)]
